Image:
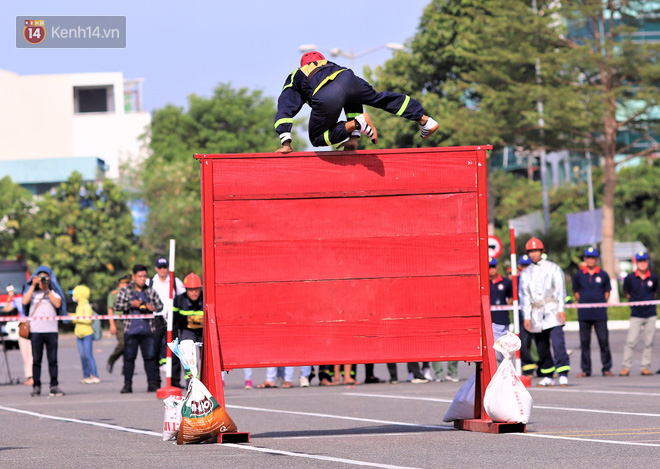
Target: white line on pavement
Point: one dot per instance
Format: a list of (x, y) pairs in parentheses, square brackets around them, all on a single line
[(84, 422), (315, 456), (595, 391), (244, 447), (610, 442)]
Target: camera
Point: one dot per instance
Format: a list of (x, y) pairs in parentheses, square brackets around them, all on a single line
[(44, 280), (143, 308)]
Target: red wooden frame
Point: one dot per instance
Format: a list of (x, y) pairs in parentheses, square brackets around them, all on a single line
[(346, 257)]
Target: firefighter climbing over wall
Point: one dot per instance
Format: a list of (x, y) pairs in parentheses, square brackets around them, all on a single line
[(328, 88)]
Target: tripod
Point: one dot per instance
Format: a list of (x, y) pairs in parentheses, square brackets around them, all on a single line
[(4, 351)]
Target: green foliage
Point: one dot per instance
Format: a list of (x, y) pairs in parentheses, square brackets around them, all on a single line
[(84, 232), (16, 205), (231, 121)]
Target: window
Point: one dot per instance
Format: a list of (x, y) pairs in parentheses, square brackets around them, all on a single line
[(93, 99)]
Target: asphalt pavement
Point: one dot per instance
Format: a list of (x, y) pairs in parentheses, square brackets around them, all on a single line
[(594, 422)]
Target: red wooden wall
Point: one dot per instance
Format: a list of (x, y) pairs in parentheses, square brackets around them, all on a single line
[(344, 257)]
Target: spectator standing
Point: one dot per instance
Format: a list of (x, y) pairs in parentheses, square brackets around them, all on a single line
[(592, 285), (542, 299), (114, 330), (451, 375), (14, 303), (85, 335), (161, 283), (43, 298), (138, 298), (640, 285)]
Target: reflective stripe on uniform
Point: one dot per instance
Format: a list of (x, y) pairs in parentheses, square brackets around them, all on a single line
[(327, 79), (403, 106), (545, 371), (529, 367), (283, 120), (190, 313), (326, 137), (293, 74), (352, 115), (562, 369)]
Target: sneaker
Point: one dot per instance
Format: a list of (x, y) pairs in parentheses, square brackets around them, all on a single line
[(646, 372), (438, 380), (304, 382), (36, 391), (248, 384), (94, 380), (429, 128), (563, 381), (419, 381), (547, 381), (55, 391), (128, 388), (367, 127), (394, 381), (85, 381), (427, 374), (607, 374), (453, 379), (624, 372), (371, 380)]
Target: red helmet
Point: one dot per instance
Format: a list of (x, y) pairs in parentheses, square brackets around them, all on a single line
[(312, 56), (534, 244), (192, 281)]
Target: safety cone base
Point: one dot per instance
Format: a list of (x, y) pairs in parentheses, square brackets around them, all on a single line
[(525, 380), (488, 426), (167, 391)]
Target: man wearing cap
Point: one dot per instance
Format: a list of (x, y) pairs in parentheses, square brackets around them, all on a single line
[(501, 293), (328, 89), (527, 362), (161, 283), (640, 285), (542, 297), (592, 285), (114, 330)]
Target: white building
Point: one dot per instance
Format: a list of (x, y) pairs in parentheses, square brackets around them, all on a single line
[(69, 119)]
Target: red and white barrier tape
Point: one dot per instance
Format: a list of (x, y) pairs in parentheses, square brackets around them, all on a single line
[(120, 317), (587, 305)]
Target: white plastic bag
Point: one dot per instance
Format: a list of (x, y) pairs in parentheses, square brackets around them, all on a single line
[(506, 399), (172, 418), (462, 407)]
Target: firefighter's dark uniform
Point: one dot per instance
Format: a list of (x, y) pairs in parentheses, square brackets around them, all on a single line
[(328, 88)]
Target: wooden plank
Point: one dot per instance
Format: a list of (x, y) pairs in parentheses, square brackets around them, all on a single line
[(318, 259), (343, 300), (352, 217), (339, 174)]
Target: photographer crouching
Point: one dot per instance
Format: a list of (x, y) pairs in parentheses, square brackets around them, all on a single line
[(138, 298), (42, 298)]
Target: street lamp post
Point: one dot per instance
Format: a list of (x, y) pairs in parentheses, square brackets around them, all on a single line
[(337, 52)]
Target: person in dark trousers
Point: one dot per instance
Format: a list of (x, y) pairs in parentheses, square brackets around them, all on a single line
[(43, 298), (114, 330), (189, 310), (542, 300), (501, 294), (640, 285), (138, 298), (328, 89), (529, 366), (592, 285)]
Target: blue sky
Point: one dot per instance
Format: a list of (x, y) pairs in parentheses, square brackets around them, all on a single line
[(183, 48)]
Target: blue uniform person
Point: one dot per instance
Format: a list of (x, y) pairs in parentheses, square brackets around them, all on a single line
[(592, 285), (529, 366), (330, 89), (501, 293), (640, 285)]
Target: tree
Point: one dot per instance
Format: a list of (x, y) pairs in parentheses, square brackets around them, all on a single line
[(487, 68), (84, 232), (16, 205), (231, 121)]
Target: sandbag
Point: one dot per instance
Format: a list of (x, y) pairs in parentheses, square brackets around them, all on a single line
[(506, 398), (172, 418), (202, 419), (462, 407)]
